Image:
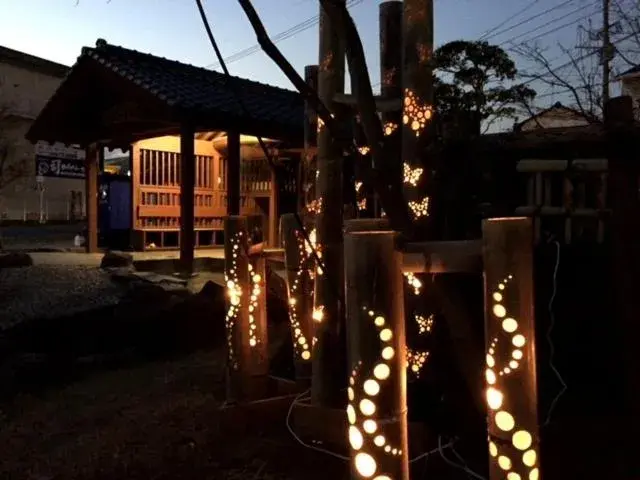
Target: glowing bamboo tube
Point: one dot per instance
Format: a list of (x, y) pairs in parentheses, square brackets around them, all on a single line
[(417, 81), (307, 168), (299, 266), (377, 409), (245, 322), (390, 29), (328, 376), (510, 373)]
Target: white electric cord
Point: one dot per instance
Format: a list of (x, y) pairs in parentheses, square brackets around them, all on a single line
[(305, 396), (461, 466), (552, 321)]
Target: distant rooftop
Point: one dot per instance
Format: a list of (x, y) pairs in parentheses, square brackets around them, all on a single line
[(31, 62)]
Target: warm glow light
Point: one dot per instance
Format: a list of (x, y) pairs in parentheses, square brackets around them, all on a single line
[(521, 440), (421, 208), (303, 275), (234, 292), (363, 392), (412, 175), (414, 281), (424, 324), (415, 113)]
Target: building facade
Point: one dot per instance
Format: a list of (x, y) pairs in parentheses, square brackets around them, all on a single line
[(630, 85), (556, 116), (37, 182)]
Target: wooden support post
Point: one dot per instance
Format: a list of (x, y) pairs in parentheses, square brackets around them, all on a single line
[(247, 362), (308, 163), (299, 266), (233, 173), (624, 174), (417, 82), (328, 363), (510, 375), (377, 410), (92, 157), (274, 210), (391, 74), (187, 193)]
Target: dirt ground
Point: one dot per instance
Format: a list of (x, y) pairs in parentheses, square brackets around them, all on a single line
[(155, 421)]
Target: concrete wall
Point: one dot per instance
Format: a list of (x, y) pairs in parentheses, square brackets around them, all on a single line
[(23, 94)]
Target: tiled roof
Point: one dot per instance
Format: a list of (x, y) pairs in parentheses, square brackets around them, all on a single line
[(198, 89), (631, 71)]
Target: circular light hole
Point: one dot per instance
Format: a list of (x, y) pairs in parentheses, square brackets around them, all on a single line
[(365, 465), (505, 421), (509, 325)]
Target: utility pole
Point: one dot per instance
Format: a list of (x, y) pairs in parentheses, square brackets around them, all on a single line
[(604, 48), (607, 50)]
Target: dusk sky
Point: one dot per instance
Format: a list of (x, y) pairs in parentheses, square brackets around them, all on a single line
[(57, 29)]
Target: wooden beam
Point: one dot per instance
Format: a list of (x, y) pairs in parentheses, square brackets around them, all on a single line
[(187, 192), (233, 173), (531, 210), (92, 158), (382, 104), (442, 257), (530, 165)]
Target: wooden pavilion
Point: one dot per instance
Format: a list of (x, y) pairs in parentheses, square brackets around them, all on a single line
[(165, 111)]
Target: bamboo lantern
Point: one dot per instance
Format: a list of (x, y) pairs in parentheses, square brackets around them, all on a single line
[(246, 320), (308, 165), (417, 82), (328, 367), (299, 267), (377, 409), (510, 374)]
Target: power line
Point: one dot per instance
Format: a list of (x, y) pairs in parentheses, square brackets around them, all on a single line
[(533, 17), (279, 37), (508, 19), (551, 22), (539, 27)]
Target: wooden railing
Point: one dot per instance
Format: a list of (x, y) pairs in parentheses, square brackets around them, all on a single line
[(566, 198)]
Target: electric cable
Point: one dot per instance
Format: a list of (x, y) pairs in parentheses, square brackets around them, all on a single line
[(279, 37), (508, 19), (552, 320), (243, 107)]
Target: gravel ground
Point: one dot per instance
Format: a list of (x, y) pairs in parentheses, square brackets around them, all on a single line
[(49, 291), (18, 237)]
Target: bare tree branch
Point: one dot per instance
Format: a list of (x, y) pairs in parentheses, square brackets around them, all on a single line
[(388, 188), (393, 205)]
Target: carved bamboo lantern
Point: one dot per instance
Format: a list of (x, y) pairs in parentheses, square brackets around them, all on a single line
[(246, 319), (328, 366), (299, 265), (417, 82), (510, 373), (377, 409)]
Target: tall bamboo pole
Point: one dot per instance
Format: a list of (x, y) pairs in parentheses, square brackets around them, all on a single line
[(328, 378), (417, 83), (308, 165), (299, 267), (510, 374), (246, 320), (390, 14), (377, 409)]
